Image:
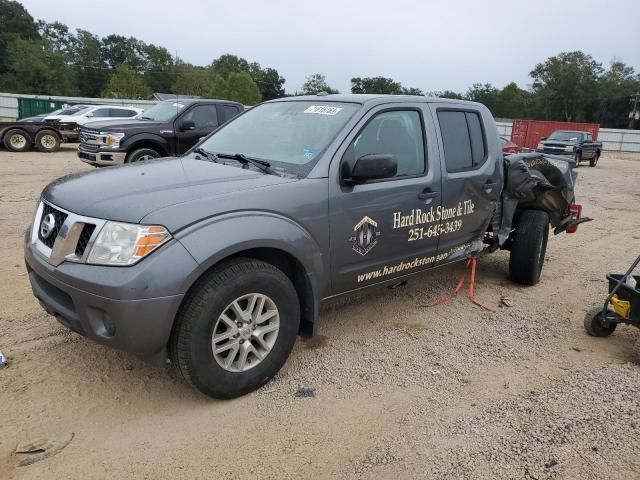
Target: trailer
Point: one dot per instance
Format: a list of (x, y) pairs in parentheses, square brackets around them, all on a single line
[(21, 136)]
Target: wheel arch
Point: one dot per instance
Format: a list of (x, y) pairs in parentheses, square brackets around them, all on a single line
[(155, 143)]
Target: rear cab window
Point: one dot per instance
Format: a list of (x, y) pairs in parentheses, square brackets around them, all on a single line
[(463, 139)]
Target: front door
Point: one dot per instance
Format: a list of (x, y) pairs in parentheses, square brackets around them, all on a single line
[(193, 124), (471, 179), (385, 229)]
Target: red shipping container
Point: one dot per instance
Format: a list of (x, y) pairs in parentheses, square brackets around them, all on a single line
[(527, 133)]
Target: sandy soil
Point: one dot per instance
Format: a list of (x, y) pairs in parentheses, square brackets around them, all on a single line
[(401, 391)]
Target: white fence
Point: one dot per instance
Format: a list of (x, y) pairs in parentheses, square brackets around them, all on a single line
[(9, 102)]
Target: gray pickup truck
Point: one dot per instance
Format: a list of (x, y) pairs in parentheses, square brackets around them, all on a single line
[(217, 260)]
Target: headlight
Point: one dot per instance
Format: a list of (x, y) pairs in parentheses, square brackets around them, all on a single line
[(568, 148), (112, 139), (540, 145), (125, 243)]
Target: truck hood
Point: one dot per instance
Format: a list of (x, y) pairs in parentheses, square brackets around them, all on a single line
[(128, 193), (128, 126)]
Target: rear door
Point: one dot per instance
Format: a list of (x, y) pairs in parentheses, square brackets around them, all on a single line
[(383, 229), (196, 122), (471, 177)]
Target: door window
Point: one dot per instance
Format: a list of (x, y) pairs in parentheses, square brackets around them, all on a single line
[(204, 116), (230, 111), (398, 133), (463, 140), (102, 113), (122, 112)]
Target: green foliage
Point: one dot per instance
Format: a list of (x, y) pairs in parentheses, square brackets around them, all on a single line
[(238, 86), (15, 23), (511, 102), (31, 66), (269, 81), (486, 94), (566, 85), (412, 91), (316, 83), (379, 85), (89, 65), (191, 80), (124, 82)]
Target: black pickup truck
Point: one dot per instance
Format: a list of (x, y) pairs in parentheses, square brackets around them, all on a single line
[(166, 129), (579, 145)]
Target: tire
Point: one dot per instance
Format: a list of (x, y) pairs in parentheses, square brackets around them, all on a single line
[(17, 140), (141, 155), (529, 247), (593, 324), (47, 141), (594, 161), (578, 158), (200, 328)]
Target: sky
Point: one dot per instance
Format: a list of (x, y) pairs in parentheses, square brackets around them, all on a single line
[(431, 45)]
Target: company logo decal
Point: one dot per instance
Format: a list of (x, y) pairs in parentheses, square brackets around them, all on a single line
[(365, 235)]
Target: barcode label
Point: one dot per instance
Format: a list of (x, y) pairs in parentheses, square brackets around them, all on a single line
[(321, 110)]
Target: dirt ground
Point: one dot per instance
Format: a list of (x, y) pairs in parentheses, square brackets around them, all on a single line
[(401, 391)]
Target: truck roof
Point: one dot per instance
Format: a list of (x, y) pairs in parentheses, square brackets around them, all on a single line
[(371, 99)]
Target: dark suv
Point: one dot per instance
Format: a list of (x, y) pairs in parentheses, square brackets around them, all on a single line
[(166, 129)]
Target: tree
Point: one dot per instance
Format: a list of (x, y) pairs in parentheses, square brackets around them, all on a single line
[(381, 85), (614, 89), (122, 50), (566, 85), (486, 94), (59, 37), (316, 83), (157, 65), (89, 64), (511, 102), (16, 23), (268, 80), (33, 68), (239, 87), (190, 80), (226, 64), (412, 91), (126, 83), (446, 94)]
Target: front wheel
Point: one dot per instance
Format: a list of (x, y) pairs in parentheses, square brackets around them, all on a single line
[(578, 158), (141, 155), (236, 328), (594, 161), (529, 247)]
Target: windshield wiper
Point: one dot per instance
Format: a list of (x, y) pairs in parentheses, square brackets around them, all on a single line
[(206, 154), (256, 162)]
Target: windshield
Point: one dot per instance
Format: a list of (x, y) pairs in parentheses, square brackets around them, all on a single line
[(75, 110), (566, 136), (162, 112), (293, 134)]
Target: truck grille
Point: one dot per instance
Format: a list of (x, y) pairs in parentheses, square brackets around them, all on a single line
[(90, 139), (52, 228), (77, 233), (85, 236)]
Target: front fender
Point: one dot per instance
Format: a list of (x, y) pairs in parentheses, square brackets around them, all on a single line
[(219, 237), (146, 137)]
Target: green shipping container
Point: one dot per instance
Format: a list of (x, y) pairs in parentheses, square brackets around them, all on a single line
[(29, 107)]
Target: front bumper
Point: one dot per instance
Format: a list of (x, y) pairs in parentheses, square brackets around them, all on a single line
[(101, 158), (128, 308)]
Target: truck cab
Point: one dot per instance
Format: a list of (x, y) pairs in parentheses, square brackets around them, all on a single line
[(220, 258), (168, 128)]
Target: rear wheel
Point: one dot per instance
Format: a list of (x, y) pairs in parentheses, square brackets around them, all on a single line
[(595, 324), (141, 155), (529, 247), (17, 140), (236, 328), (47, 141), (594, 161)]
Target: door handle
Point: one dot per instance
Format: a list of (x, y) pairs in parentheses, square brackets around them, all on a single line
[(427, 193)]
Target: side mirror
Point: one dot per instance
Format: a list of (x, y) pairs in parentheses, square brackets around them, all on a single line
[(89, 115), (371, 167), (187, 125)]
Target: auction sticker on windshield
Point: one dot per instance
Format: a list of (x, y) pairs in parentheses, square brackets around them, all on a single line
[(322, 110)]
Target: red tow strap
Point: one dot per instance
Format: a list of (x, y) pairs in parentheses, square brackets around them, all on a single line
[(459, 285)]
